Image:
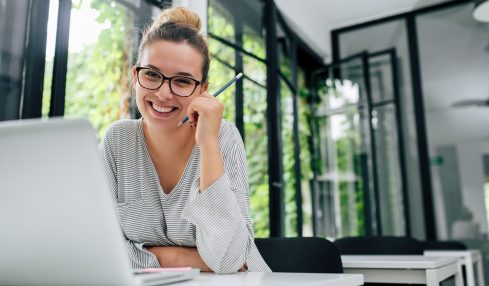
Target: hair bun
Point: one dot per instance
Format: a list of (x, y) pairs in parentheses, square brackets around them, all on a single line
[(179, 15)]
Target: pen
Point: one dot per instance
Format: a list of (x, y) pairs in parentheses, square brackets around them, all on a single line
[(238, 76)]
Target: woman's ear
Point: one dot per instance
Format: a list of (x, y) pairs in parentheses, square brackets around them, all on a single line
[(134, 75)]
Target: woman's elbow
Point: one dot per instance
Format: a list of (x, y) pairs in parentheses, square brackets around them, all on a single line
[(230, 264), (228, 269)]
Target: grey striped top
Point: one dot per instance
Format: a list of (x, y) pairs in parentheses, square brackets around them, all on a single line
[(216, 221)]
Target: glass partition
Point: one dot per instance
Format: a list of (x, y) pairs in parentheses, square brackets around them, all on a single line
[(343, 154), (379, 37), (454, 58), (362, 171)]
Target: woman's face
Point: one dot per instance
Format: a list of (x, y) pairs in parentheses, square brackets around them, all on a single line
[(161, 108)]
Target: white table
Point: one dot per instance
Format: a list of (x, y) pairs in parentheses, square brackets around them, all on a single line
[(409, 269), (466, 258), (274, 279)]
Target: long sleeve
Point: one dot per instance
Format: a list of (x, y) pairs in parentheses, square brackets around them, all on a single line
[(224, 235), (216, 221), (138, 255)]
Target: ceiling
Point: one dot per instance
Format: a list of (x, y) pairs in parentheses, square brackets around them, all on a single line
[(313, 20)]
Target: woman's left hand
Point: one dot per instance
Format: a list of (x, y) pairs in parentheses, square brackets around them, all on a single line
[(205, 113)]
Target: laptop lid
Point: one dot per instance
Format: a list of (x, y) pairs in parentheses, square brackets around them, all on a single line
[(58, 225)]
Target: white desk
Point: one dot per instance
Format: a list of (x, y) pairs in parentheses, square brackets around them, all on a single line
[(409, 269), (466, 258), (274, 279)]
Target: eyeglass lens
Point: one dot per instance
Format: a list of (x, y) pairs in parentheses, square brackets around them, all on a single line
[(179, 85)]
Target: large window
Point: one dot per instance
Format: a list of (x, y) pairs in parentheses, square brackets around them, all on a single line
[(389, 200), (85, 71), (237, 43), (230, 32), (98, 82)]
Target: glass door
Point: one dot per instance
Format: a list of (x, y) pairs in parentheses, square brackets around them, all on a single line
[(342, 151), (387, 131), (359, 170)]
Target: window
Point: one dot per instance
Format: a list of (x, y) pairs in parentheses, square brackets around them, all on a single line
[(13, 25), (98, 81), (232, 31)]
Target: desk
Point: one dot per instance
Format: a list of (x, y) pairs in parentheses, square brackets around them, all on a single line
[(466, 258), (409, 269), (274, 279)]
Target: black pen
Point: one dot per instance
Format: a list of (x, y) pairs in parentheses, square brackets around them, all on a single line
[(238, 76)]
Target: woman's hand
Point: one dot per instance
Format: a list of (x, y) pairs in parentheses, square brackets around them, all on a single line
[(178, 256), (205, 113)]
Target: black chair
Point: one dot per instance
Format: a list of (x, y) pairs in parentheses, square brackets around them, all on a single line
[(443, 245), (300, 254), (387, 245)]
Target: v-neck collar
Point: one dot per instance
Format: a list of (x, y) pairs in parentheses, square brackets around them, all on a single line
[(175, 189)]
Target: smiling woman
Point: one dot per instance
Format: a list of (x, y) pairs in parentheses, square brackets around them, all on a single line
[(188, 182), (170, 95)]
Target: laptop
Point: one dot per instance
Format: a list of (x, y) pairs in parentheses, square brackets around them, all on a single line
[(58, 224)]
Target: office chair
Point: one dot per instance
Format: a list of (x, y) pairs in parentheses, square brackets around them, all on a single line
[(380, 245), (443, 245), (300, 254)]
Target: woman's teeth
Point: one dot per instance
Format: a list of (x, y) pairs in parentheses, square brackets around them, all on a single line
[(162, 109)]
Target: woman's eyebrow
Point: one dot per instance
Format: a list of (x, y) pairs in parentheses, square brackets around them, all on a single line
[(152, 66), (178, 73), (186, 74)]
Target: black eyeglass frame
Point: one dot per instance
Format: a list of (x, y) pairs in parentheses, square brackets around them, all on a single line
[(169, 81)]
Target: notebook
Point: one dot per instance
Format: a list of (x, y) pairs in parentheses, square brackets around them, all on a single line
[(58, 224)]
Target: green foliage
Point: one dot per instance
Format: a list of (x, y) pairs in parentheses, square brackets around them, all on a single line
[(219, 75), (257, 154), (254, 43), (98, 80), (305, 136), (220, 26), (46, 93), (288, 160), (255, 108)]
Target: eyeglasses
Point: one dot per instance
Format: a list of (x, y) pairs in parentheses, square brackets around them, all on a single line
[(179, 85)]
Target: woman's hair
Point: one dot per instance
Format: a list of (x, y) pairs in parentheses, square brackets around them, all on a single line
[(179, 25)]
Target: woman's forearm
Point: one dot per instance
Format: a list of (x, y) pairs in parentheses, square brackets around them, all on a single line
[(212, 165), (178, 256)]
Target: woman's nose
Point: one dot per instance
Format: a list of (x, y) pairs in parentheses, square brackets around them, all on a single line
[(165, 91)]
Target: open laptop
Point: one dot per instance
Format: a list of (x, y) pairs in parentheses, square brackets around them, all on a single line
[(58, 224)]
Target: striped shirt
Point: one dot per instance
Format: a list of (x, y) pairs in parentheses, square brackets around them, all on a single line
[(216, 221)]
